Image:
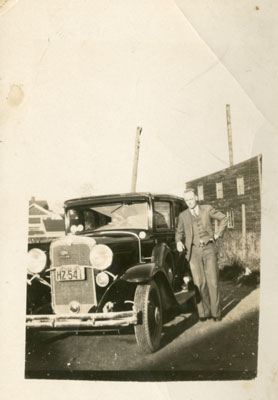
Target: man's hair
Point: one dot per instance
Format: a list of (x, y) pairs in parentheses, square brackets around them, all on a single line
[(188, 190)]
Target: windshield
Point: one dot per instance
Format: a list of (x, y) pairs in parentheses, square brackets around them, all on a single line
[(116, 215)]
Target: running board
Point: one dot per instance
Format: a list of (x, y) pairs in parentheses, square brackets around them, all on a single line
[(183, 296)]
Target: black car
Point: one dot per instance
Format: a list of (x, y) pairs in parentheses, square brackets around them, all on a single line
[(116, 266)]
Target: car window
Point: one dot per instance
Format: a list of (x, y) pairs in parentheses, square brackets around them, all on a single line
[(162, 214)]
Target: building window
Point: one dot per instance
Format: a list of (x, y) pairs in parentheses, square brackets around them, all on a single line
[(200, 190), (240, 185), (34, 220), (219, 190), (231, 219)]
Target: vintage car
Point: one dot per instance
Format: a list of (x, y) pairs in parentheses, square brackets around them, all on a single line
[(117, 266)]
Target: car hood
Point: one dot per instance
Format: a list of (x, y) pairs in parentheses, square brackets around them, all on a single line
[(112, 239)]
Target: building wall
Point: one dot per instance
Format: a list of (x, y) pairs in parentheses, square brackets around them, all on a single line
[(237, 246), (37, 230)]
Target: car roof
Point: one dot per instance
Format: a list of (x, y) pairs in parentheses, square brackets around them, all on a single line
[(131, 195)]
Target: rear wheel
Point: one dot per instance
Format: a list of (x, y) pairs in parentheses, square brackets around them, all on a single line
[(148, 304)]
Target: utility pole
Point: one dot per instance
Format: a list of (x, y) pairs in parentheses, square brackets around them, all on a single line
[(229, 130), (135, 161)]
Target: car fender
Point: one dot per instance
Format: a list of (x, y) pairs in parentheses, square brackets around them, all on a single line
[(159, 254), (140, 273), (137, 274), (143, 273)]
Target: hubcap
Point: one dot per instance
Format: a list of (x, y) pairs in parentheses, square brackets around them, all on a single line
[(157, 315), (154, 314)]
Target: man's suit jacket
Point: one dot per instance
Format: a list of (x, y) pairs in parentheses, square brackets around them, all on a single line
[(206, 213)]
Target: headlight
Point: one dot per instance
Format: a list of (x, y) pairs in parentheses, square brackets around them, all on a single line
[(36, 261), (73, 229), (101, 256), (76, 228)]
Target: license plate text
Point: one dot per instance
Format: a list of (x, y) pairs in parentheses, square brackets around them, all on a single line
[(70, 273)]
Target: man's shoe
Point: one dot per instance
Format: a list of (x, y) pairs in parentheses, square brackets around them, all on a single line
[(216, 319), (202, 319)]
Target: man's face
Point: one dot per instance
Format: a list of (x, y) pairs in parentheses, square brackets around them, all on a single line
[(191, 199)]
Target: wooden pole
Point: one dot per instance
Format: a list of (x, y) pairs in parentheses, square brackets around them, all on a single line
[(229, 130), (135, 161)]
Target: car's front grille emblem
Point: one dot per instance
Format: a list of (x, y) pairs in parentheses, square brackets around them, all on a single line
[(64, 254)]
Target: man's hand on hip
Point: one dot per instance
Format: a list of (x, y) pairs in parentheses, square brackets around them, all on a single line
[(180, 247)]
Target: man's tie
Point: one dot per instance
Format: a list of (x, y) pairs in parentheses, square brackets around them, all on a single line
[(195, 213)]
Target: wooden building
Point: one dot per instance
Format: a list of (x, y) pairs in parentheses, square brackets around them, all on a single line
[(236, 191), (44, 225)]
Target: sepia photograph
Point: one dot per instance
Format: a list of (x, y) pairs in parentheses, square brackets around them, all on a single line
[(137, 147)]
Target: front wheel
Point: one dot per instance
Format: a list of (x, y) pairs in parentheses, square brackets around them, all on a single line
[(148, 305)]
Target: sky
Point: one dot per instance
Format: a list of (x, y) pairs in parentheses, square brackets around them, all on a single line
[(81, 76)]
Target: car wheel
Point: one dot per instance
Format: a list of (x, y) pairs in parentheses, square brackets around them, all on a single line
[(148, 304)]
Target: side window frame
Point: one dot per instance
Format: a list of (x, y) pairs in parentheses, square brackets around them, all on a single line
[(166, 228)]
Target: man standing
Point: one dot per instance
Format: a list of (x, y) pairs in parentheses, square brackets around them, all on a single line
[(194, 225)]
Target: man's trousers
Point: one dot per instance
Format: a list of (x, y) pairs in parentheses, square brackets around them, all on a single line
[(205, 273)]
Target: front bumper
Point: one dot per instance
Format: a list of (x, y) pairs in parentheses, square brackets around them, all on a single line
[(81, 321)]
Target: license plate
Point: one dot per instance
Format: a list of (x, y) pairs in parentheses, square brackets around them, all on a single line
[(70, 273)]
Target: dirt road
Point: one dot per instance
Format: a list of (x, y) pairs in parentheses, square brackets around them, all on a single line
[(190, 349)]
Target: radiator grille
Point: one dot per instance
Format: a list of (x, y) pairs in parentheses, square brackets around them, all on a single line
[(75, 252)]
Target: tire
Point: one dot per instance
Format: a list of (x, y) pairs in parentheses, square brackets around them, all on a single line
[(148, 304)]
